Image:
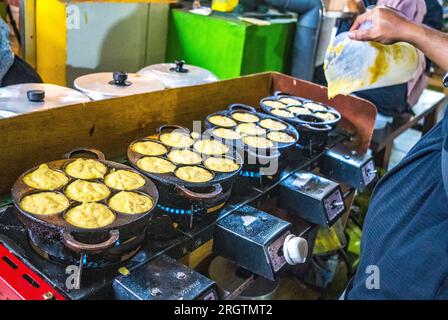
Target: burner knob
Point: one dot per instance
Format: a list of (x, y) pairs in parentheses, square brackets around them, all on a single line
[(295, 249)]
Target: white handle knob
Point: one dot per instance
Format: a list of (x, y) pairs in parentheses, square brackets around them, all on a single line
[(295, 249)]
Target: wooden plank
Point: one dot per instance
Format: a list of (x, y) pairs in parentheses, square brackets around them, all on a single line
[(110, 125)]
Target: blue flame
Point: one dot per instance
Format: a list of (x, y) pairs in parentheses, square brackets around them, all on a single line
[(173, 210)]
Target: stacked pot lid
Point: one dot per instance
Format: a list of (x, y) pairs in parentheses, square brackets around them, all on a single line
[(105, 85), (179, 74), (28, 97)]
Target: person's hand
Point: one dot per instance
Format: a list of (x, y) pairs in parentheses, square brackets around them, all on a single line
[(387, 26)]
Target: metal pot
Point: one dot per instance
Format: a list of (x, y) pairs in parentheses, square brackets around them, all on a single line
[(106, 85), (23, 98), (54, 237), (178, 74)]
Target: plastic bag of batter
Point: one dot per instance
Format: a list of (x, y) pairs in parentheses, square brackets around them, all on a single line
[(355, 65)]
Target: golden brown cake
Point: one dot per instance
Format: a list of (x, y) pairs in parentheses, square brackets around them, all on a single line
[(149, 148), (86, 169), (222, 121), (210, 147), (184, 156), (155, 165), (176, 139), (46, 203), (282, 137), (272, 124), (245, 117), (90, 216), (258, 142), (87, 191), (130, 202), (221, 164), (326, 116), (124, 180), (251, 129), (45, 178), (194, 174)]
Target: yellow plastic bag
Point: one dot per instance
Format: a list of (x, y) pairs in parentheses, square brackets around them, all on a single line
[(354, 65)]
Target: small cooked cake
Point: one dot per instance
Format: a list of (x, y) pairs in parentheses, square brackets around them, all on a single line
[(193, 174), (289, 100), (226, 133), (46, 203), (86, 169), (176, 139), (155, 165), (281, 137), (124, 180), (282, 113), (45, 178), (258, 142), (210, 147), (222, 121), (299, 110), (326, 116), (184, 156), (87, 191), (272, 124), (315, 106), (149, 148), (251, 129), (245, 117), (90, 216), (130, 202), (274, 104), (221, 164)]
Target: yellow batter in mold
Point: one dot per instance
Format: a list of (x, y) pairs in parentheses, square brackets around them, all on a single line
[(194, 174), (282, 113), (226, 133), (274, 104), (245, 117), (288, 100), (46, 203), (210, 147), (86, 169), (251, 129), (272, 124), (149, 148), (130, 202), (184, 156), (45, 178), (222, 121), (156, 165), (258, 142), (221, 164), (87, 191), (124, 180), (176, 139), (90, 216), (282, 137)]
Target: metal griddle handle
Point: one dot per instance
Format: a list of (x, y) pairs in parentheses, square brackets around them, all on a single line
[(77, 246), (241, 106), (280, 93), (97, 153), (217, 190), (172, 126)]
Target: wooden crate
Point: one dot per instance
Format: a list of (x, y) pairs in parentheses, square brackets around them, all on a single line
[(110, 125)]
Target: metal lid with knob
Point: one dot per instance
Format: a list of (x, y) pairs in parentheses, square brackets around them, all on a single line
[(295, 249), (179, 74), (105, 85), (28, 97)]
